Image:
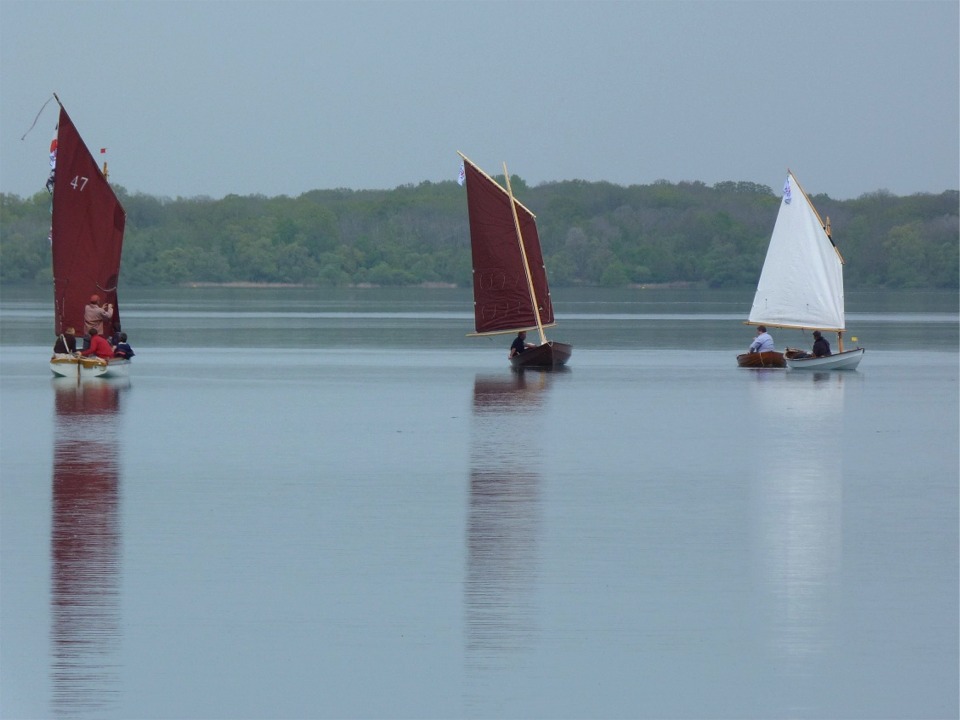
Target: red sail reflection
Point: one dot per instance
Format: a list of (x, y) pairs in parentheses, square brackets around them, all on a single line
[(85, 548), (503, 522)]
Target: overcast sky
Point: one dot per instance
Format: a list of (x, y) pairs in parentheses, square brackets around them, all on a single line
[(278, 98)]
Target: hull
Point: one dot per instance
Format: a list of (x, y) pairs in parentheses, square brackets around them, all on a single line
[(89, 367), (549, 355), (768, 359), (838, 361)]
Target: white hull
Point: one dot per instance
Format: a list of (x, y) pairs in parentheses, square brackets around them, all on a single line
[(89, 367), (839, 361)]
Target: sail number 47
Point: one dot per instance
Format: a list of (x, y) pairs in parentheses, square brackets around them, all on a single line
[(79, 183)]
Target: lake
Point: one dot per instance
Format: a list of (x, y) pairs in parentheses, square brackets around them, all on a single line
[(333, 504)]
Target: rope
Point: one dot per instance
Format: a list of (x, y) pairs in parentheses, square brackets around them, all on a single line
[(36, 118)]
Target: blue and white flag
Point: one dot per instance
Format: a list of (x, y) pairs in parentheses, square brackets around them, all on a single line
[(786, 190), (463, 175)]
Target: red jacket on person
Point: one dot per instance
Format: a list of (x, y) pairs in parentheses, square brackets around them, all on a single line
[(99, 347)]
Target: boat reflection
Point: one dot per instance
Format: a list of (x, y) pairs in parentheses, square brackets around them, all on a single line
[(503, 522), (85, 548), (799, 495)]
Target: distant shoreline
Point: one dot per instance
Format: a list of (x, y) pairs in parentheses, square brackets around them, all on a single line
[(244, 284), (680, 285)]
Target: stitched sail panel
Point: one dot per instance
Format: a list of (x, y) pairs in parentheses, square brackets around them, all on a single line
[(501, 292)]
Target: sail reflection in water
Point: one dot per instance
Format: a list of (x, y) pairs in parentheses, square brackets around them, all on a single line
[(85, 549), (503, 522), (799, 495)]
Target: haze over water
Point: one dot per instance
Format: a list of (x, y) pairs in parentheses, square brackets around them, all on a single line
[(334, 504)]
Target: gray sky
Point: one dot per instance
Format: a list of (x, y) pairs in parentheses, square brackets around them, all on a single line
[(279, 98)]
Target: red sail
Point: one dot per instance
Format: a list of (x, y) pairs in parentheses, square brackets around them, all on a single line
[(86, 234), (501, 293)]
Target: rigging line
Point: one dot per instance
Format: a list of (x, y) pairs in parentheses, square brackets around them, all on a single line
[(823, 225), (37, 118)]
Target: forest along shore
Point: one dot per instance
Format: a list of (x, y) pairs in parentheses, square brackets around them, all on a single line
[(593, 234)]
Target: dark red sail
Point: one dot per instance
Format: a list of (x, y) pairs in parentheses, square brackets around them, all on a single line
[(501, 292), (86, 233)]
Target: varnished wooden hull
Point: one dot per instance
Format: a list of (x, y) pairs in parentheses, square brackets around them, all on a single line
[(768, 359), (549, 355)]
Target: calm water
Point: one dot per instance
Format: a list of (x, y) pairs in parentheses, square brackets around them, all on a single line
[(335, 505)]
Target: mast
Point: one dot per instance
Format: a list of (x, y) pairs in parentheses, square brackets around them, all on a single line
[(57, 302), (505, 259), (523, 254), (824, 225), (86, 232), (827, 232), (801, 283)]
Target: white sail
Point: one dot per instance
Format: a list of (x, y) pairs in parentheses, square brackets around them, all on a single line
[(801, 285)]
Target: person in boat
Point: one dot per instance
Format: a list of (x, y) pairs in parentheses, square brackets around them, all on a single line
[(122, 349), (98, 346), (66, 343), (94, 314), (821, 348), (762, 342), (519, 344)]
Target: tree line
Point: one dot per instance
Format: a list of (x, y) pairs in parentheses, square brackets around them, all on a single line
[(592, 233)]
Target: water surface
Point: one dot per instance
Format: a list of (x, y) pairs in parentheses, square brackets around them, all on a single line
[(334, 504)]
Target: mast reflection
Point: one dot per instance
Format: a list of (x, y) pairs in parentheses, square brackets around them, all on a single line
[(800, 539), (503, 523), (85, 548)]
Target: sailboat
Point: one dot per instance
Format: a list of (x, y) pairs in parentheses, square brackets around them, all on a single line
[(510, 290), (801, 284), (86, 237)]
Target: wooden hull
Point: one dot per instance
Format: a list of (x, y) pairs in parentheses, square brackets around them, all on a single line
[(768, 359), (89, 367), (549, 355), (838, 361)]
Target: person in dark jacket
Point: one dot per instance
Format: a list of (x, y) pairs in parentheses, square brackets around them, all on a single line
[(519, 344), (66, 342), (821, 348), (122, 349)]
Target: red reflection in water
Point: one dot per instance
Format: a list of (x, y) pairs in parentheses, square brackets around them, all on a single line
[(85, 548), (503, 520)]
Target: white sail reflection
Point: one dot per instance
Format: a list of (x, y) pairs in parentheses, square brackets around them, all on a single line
[(503, 523), (799, 496), (85, 549)]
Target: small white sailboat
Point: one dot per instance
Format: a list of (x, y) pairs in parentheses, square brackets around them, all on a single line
[(801, 284)]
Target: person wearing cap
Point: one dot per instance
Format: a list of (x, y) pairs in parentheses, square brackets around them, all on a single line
[(94, 315)]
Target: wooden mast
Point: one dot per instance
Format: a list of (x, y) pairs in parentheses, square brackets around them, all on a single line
[(523, 254), (824, 225), (826, 231)]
